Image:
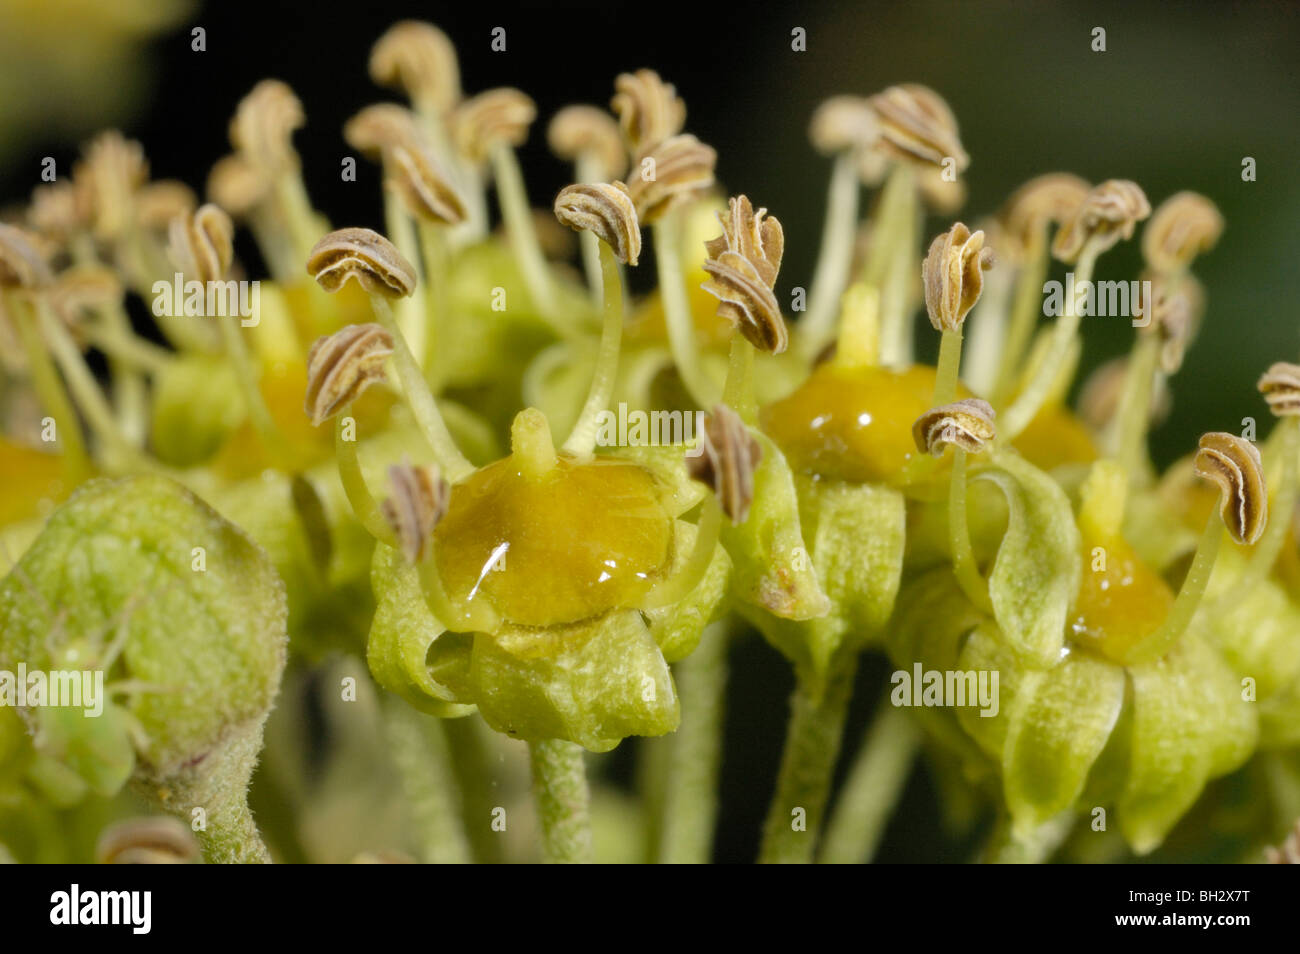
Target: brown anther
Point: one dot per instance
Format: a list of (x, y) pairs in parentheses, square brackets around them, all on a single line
[(380, 127), (729, 456), (83, 288), (60, 209), (342, 365), (160, 840), (1103, 390), (1233, 464), (160, 202), (676, 171), (1051, 199), (756, 236), (237, 186), (953, 276), (263, 126), (585, 132), (843, 124), (1280, 385), (967, 424), (746, 300), (649, 110), (492, 118), (419, 500), (1181, 228), (916, 124), (365, 256), (941, 195), (605, 210), (419, 59), (1108, 213), (22, 265), (113, 171), (424, 186), (1175, 310), (202, 245)]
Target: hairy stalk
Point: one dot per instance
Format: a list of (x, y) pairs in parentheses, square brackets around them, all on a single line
[(420, 752), (1030, 401), (423, 406), (582, 439), (691, 801), (875, 783), (812, 744), (677, 311), (833, 260), (563, 801), (1007, 847)]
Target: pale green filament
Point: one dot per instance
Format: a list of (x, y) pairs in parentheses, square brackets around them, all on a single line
[(582, 439), (834, 259), (354, 482), (677, 311), (517, 214), (1189, 596), (963, 558)]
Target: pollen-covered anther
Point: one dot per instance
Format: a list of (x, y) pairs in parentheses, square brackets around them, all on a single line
[(424, 185), (113, 171), (916, 124), (202, 245), (649, 110), (418, 58), (237, 185), (746, 301), (83, 288), (1280, 385), (418, 502), (380, 127), (844, 123), (363, 255), (953, 276), (263, 126), (756, 236), (22, 265), (605, 210), (1175, 309), (158, 203), (491, 118), (676, 171), (1185, 225), (1051, 199), (1233, 463), (967, 424), (342, 365), (60, 209), (1107, 214), (727, 461), (585, 132)]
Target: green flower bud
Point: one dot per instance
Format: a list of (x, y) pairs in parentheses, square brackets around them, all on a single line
[(185, 616)]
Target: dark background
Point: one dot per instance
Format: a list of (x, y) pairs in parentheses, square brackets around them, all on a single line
[(1182, 94)]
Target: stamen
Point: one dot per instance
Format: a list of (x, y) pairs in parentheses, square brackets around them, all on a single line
[(953, 277)]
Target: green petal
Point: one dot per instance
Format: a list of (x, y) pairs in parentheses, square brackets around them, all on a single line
[(593, 683), (677, 628), (97, 749), (855, 535), (773, 570), (987, 650), (1056, 733), (1035, 575), (401, 636), (206, 639), (1189, 724)]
